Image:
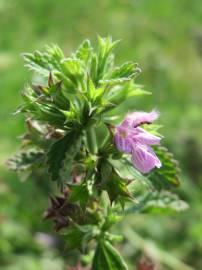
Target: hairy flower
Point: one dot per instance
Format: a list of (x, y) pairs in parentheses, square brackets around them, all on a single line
[(130, 138)]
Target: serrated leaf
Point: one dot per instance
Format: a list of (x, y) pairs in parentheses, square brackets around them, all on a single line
[(29, 97), (125, 73), (54, 54), (45, 62), (117, 81), (105, 47), (52, 59), (107, 258), (168, 175), (72, 69), (26, 160), (37, 134), (72, 66), (105, 170), (125, 70), (36, 63), (84, 51), (117, 95), (163, 202), (116, 187), (79, 193), (78, 236), (125, 169), (49, 114), (121, 169), (90, 88), (62, 153), (57, 96)]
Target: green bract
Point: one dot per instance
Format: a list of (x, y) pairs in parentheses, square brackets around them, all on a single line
[(69, 139)]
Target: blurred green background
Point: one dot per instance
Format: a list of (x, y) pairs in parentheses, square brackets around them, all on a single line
[(165, 38)]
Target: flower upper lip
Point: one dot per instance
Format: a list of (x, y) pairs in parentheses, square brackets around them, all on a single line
[(136, 119)]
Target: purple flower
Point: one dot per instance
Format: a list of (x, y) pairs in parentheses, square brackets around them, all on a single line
[(130, 138)]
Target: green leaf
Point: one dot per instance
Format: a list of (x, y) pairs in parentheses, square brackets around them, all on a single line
[(125, 169), (104, 201), (45, 62), (105, 47), (45, 104), (68, 70), (58, 97), (124, 71), (79, 193), (29, 97), (91, 140), (116, 187), (62, 153), (91, 91), (163, 202), (26, 160), (107, 258), (168, 175), (78, 236), (49, 114), (119, 94), (118, 81), (105, 170), (54, 54), (122, 169), (102, 135), (114, 237), (84, 51), (153, 128), (37, 63), (93, 68), (111, 217), (72, 69)]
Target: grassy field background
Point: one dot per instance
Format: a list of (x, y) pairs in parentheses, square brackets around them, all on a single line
[(165, 38)]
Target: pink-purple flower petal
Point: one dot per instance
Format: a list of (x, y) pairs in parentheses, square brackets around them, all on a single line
[(138, 118), (145, 137), (144, 159), (123, 144), (130, 138)]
